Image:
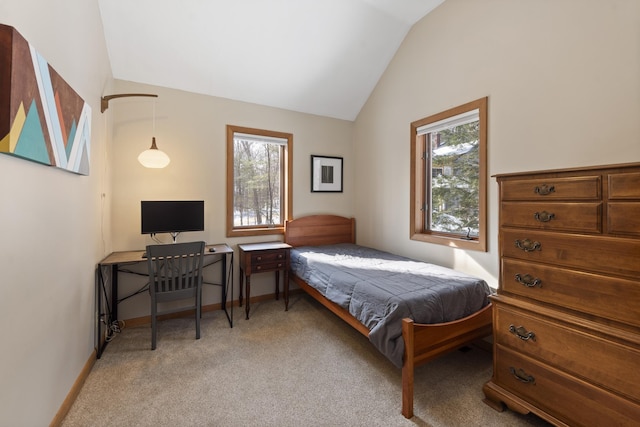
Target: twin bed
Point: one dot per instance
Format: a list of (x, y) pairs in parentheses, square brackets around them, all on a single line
[(411, 311)]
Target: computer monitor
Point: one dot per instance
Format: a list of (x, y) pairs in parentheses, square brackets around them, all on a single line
[(171, 216)]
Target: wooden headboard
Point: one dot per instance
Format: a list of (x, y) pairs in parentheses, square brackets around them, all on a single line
[(316, 230)]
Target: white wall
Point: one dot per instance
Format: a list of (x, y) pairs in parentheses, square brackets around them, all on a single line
[(50, 228), (191, 129), (563, 81)]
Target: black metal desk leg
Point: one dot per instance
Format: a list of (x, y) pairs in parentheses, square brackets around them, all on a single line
[(224, 282), (114, 294)]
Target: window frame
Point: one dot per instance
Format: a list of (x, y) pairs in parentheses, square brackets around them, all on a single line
[(419, 170), (286, 182)]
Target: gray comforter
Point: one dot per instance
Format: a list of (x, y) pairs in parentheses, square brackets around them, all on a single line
[(380, 289)]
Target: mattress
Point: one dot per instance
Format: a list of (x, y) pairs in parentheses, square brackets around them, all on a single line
[(379, 289)]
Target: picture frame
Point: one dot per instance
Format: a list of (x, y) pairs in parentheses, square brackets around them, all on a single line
[(326, 174)]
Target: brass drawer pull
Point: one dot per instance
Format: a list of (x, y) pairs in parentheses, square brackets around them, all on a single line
[(528, 280), (544, 216), (528, 245), (258, 267), (258, 258), (544, 189), (522, 376), (522, 333)]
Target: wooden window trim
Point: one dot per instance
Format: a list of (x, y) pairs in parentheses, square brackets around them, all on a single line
[(418, 178), (287, 181)]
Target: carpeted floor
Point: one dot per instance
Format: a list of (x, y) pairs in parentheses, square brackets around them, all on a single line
[(304, 367)]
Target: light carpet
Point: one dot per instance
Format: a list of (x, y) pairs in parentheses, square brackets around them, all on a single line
[(302, 367)]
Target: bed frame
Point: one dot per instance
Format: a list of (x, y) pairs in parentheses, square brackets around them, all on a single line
[(423, 342)]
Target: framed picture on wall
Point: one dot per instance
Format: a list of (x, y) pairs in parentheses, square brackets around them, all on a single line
[(326, 174)]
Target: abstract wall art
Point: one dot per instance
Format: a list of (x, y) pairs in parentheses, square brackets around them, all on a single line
[(42, 118)]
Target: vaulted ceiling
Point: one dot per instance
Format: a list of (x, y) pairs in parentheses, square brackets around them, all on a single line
[(320, 57)]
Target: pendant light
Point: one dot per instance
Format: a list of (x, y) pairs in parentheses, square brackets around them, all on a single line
[(153, 157)]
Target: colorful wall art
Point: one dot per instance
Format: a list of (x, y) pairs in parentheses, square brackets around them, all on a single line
[(41, 117)]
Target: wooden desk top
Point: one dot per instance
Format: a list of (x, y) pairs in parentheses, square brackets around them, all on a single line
[(122, 257)]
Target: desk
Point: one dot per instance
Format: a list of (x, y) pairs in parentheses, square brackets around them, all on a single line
[(109, 319), (261, 258)]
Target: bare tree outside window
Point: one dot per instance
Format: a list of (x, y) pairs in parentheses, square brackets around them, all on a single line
[(258, 182)]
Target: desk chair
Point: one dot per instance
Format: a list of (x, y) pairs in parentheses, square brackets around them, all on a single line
[(175, 273)]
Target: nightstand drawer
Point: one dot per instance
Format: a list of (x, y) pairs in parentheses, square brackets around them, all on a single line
[(268, 266), (262, 257), (268, 261)]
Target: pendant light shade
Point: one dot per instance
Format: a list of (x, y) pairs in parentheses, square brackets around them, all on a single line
[(153, 157)]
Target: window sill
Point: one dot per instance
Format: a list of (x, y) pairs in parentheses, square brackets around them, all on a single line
[(242, 232), (453, 242)]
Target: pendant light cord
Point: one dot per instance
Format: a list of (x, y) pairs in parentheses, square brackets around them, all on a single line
[(153, 133)]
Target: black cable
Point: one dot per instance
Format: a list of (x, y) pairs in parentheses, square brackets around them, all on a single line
[(112, 326), (144, 288)]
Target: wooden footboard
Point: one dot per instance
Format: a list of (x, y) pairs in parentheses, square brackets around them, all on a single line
[(422, 342)]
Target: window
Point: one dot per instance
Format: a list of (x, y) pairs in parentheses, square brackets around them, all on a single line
[(448, 177), (258, 181)]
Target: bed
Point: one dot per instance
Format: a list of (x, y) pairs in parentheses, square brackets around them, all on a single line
[(418, 342)]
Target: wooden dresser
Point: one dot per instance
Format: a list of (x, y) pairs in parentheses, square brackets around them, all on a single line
[(566, 317)]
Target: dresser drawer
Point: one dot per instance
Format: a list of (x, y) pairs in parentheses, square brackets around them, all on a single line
[(580, 217), (549, 188), (623, 218), (569, 399), (624, 186), (593, 253), (604, 296), (570, 348)]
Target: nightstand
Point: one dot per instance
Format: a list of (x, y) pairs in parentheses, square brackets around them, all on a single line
[(263, 258)]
